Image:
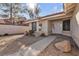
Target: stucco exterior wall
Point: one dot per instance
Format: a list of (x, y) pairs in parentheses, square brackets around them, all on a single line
[(57, 28), (37, 26), (68, 33), (45, 27), (30, 26), (75, 25), (69, 7), (49, 27), (12, 29)]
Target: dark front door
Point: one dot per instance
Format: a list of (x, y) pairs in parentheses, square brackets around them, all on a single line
[(34, 26)]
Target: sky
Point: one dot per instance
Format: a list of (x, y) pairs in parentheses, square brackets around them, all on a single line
[(46, 9), (50, 8)]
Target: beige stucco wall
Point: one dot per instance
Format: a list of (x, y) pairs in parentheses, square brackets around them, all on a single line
[(58, 29), (44, 28), (12, 29), (30, 26), (49, 27), (68, 33), (69, 7), (75, 25)]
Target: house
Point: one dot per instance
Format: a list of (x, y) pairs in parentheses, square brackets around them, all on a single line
[(58, 23), (65, 23)]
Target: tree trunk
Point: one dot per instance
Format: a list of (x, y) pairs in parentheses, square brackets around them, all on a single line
[(11, 13)]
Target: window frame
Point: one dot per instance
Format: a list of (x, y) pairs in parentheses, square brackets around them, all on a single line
[(66, 25)]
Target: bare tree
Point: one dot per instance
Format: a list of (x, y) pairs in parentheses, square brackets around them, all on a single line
[(33, 13), (10, 10), (36, 11), (4, 8)]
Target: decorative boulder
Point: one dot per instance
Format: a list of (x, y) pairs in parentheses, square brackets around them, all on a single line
[(63, 46)]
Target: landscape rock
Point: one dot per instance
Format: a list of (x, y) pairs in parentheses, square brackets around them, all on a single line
[(63, 46)]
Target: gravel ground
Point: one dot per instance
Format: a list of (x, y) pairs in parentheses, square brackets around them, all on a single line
[(11, 46), (52, 51)]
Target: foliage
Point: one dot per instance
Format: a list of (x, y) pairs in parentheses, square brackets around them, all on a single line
[(42, 34), (31, 32), (15, 10), (10, 10), (33, 13)]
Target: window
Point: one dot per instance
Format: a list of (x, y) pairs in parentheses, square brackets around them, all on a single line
[(34, 26), (66, 25), (40, 25)]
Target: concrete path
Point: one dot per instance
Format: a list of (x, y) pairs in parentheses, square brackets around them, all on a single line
[(35, 48)]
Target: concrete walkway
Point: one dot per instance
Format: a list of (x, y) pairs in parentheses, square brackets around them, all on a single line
[(35, 48)]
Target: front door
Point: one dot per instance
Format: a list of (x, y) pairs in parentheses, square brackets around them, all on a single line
[(34, 26)]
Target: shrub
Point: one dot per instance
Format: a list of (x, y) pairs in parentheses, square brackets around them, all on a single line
[(31, 32), (43, 34)]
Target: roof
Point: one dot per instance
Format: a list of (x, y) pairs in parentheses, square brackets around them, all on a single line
[(47, 17)]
